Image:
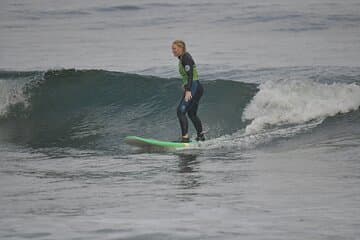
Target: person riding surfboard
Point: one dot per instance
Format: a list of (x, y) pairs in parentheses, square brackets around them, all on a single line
[(193, 91)]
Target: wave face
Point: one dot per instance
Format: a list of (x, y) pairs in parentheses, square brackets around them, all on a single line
[(96, 109)]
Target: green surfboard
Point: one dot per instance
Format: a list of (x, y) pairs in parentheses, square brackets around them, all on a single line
[(153, 143)]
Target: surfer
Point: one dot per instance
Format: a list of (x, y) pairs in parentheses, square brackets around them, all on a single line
[(193, 91)]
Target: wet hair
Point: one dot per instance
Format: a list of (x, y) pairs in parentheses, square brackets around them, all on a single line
[(181, 44)]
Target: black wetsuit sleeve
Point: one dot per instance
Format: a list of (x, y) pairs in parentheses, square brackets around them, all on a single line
[(188, 64)]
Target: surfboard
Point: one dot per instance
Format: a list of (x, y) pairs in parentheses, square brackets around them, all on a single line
[(153, 143)]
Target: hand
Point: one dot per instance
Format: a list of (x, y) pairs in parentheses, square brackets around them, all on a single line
[(187, 96)]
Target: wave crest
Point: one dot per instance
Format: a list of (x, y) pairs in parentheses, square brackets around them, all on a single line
[(294, 102)]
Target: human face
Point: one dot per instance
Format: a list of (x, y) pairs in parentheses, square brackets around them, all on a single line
[(176, 50)]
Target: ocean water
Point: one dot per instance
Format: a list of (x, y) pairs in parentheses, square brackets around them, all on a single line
[(281, 106)]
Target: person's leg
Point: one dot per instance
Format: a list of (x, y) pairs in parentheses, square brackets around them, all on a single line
[(185, 106), (192, 112), (181, 114)]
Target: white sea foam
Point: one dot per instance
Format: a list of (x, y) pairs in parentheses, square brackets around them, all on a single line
[(296, 102), (11, 92), (241, 139), (286, 108)]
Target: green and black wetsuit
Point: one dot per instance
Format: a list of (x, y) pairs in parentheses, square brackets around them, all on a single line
[(190, 81)]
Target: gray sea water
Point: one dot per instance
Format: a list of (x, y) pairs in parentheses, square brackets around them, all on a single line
[(281, 103)]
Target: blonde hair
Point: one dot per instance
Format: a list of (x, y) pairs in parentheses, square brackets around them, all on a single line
[(181, 44)]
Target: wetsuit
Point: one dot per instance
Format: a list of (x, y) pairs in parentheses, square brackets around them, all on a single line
[(190, 80)]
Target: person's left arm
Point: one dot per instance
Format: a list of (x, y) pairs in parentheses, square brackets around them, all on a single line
[(188, 64)]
